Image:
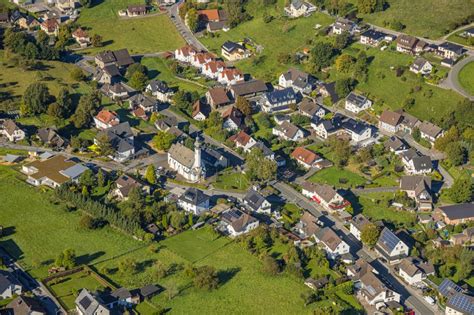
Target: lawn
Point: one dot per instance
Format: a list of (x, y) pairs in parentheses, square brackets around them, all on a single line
[(291, 213), (158, 69), (466, 78), (334, 176), (140, 35), (232, 180), (38, 230), (293, 33), (374, 206), (459, 39), (437, 19), (264, 126), (430, 101)]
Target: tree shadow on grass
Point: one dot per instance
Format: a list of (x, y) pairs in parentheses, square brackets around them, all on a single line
[(226, 275), (88, 258)]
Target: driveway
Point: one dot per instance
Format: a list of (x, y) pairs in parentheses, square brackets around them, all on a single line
[(452, 81)]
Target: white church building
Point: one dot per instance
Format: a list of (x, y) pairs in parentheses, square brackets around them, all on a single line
[(186, 162)]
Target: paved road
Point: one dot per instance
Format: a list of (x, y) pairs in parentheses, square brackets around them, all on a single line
[(452, 81), (210, 191), (407, 293)]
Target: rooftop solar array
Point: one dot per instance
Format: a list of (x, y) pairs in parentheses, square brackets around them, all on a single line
[(389, 239)]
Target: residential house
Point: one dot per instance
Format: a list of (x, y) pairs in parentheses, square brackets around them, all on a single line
[(233, 51), (106, 119), (81, 37), (357, 224), (457, 302), (372, 37), (25, 305), (326, 128), (243, 140), (328, 90), (233, 119), (278, 100), (51, 137), (332, 244), (356, 103), (213, 159), (299, 8), (213, 19), (310, 109), (115, 91), (255, 202), (230, 76), (201, 110), (89, 304), (53, 172), (357, 130), (343, 25), (455, 214), (324, 195), (316, 284), (136, 10), (288, 131), (28, 22), (121, 139), (406, 43), (248, 88), (421, 66), (389, 122), (374, 291), (416, 163), (391, 247), (4, 18), (119, 58), (307, 226), (237, 222), (418, 188), (305, 157), (145, 102), (160, 90), (67, 5), (414, 271), (408, 122), (213, 68), (300, 81), (465, 238), (185, 53), (430, 131), (396, 145), (109, 74), (217, 97), (9, 285), (10, 130), (194, 201), (125, 297), (186, 162), (124, 184), (450, 50), (201, 58)]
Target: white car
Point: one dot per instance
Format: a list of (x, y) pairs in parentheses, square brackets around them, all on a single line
[(430, 300)]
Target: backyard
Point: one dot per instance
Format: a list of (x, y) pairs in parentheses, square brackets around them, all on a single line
[(438, 18), (337, 177), (140, 35), (466, 78), (231, 180)]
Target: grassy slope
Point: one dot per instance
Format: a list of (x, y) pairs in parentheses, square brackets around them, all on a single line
[(425, 18), (141, 35), (466, 78), (42, 230)]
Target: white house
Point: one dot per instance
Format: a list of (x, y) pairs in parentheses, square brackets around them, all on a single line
[(194, 200), (392, 248), (243, 140), (299, 8), (356, 103), (185, 162), (288, 131), (298, 80), (374, 291), (430, 131), (415, 163), (421, 66), (255, 202), (10, 286), (305, 157), (106, 119), (121, 139), (389, 122), (357, 130), (325, 195), (332, 244), (343, 25), (357, 224), (185, 53), (372, 37), (230, 76), (413, 271), (160, 90), (236, 222), (212, 69), (88, 304), (10, 129), (278, 100)]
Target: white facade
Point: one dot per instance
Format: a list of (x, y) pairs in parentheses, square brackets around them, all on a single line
[(355, 231), (299, 135), (412, 280), (341, 249), (17, 135), (357, 109), (195, 209), (388, 128), (248, 228)]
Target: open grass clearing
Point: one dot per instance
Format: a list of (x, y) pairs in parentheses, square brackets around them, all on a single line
[(139, 35), (466, 78), (231, 180), (337, 177)]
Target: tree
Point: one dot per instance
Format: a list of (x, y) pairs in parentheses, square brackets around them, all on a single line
[(258, 167), (163, 140), (138, 81), (447, 271), (456, 153), (462, 189), (103, 142), (416, 134), (342, 40), (235, 11), (243, 105), (369, 234), (66, 259), (85, 110), (87, 179), (206, 278), (270, 265), (86, 222), (150, 174), (452, 135), (466, 265), (321, 55), (344, 87), (96, 40), (101, 178), (136, 67), (369, 6), (35, 99), (341, 149), (344, 63), (192, 19), (54, 110), (77, 74), (31, 51), (127, 266), (86, 3), (63, 104)]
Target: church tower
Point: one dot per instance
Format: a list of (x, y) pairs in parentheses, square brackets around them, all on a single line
[(197, 155)]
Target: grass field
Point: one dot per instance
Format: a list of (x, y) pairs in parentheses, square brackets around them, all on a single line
[(459, 39), (232, 180), (139, 35), (466, 78), (436, 20), (293, 33), (158, 69), (430, 101), (332, 175), (38, 231)]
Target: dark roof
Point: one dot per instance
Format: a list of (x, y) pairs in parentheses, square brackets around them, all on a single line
[(280, 96), (452, 47), (462, 303), (448, 288), (194, 196), (355, 126), (249, 87), (253, 199), (122, 57), (237, 219), (359, 221), (6, 281), (118, 136), (373, 34), (122, 293), (149, 290), (235, 115), (422, 163), (309, 107), (25, 305), (388, 240), (158, 86), (395, 143), (458, 211), (356, 99), (231, 46)]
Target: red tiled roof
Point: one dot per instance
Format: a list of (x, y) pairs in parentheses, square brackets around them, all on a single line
[(209, 15), (107, 117), (304, 155), (242, 138), (80, 33)]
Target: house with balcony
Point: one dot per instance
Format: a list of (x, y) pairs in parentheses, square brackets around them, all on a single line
[(324, 195)]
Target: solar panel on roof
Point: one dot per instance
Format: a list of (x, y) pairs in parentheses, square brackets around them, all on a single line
[(462, 302), (448, 287), (389, 239), (85, 302)]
